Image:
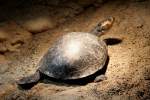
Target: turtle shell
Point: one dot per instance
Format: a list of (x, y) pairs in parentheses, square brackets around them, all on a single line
[(74, 55)]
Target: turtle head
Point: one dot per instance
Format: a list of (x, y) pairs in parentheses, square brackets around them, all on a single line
[(103, 26)]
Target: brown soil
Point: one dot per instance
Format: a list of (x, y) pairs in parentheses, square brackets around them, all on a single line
[(23, 43)]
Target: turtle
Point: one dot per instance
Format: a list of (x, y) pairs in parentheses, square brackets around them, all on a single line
[(74, 55)]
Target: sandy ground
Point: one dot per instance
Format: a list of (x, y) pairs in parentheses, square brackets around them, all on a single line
[(128, 70)]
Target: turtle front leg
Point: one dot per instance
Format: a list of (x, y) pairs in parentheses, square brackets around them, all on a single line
[(100, 78), (30, 79)]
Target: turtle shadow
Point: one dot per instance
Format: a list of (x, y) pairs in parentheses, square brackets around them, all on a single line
[(112, 41)]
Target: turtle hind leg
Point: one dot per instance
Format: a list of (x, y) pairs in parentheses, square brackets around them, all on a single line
[(29, 81)]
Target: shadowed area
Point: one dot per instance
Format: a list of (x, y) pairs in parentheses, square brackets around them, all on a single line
[(112, 41)]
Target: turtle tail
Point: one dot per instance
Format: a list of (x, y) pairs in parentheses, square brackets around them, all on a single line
[(103, 26), (29, 81)]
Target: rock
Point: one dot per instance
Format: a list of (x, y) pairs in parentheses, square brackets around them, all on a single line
[(37, 25), (36, 18)]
